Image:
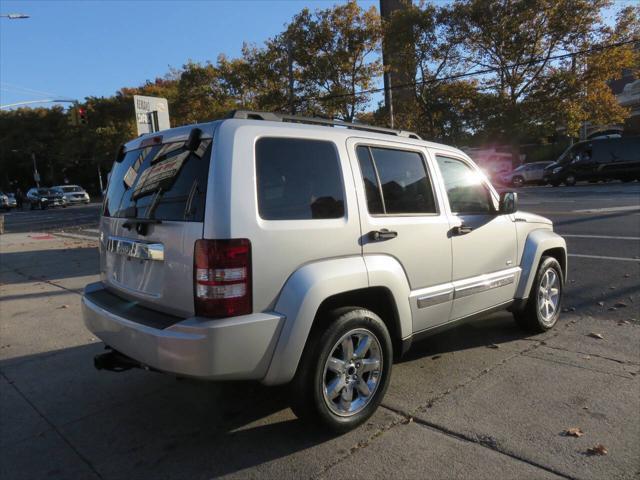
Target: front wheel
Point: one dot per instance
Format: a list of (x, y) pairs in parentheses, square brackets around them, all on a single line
[(517, 182), (344, 371), (570, 180), (542, 309)]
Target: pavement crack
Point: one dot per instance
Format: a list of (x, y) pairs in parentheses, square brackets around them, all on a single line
[(53, 427), (483, 441), (604, 357), (44, 280), (403, 420), (560, 362)]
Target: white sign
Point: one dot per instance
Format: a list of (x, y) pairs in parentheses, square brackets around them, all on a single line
[(152, 114)]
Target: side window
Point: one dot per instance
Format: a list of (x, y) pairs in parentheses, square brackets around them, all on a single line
[(396, 181), (298, 179), (466, 189)]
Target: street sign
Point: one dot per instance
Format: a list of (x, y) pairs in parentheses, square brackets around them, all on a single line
[(152, 114)]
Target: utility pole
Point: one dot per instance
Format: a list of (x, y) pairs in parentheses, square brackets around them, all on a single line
[(36, 175), (292, 106)]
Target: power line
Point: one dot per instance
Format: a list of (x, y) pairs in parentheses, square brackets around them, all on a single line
[(481, 72)]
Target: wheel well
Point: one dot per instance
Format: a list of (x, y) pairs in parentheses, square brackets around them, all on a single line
[(559, 254), (377, 299)]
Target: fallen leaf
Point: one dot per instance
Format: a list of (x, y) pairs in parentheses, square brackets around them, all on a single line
[(612, 287), (626, 275), (598, 449), (64, 306), (623, 322), (601, 304), (620, 305), (493, 345), (573, 432), (611, 309), (596, 335), (585, 408)]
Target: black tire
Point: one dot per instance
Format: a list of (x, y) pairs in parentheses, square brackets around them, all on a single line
[(308, 400), (517, 181), (530, 318), (554, 183), (570, 180)]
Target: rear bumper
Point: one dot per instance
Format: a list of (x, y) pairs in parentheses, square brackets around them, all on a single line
[(238, 348)]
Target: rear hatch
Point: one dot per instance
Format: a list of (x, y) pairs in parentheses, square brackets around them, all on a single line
[(153, 214)]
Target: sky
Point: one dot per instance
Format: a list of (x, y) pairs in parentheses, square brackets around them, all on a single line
[(75, 49)]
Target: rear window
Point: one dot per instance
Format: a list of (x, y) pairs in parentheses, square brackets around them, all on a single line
[(164, 182), (298, 179)]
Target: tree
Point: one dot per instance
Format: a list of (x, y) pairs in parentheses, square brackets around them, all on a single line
[(334, 51), (515, 42), (441, 109)]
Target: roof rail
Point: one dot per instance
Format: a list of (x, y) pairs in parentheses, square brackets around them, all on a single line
[(280, 117)]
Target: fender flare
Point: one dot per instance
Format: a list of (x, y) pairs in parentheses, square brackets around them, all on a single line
[(302, 295), (537, 242)]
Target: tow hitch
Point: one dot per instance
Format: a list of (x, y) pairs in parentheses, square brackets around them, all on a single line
[(115, 361)]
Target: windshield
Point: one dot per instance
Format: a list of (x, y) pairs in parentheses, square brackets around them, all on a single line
[(163, 182), (71, 189)]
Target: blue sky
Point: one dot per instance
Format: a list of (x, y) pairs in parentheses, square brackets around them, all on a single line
[(74, 49)]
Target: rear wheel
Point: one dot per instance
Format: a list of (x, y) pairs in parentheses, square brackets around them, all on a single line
[(344, 372), (542, 309)]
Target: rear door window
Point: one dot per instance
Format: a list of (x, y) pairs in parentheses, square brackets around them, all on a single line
[(298, 179), (396, 182), (164, 182)]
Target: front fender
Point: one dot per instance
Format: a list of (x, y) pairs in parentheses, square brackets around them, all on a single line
[(538, 241)]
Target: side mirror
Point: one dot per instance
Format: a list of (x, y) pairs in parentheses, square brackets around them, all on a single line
[(508, 202)]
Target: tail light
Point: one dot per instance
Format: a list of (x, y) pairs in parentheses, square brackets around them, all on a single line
[(222, 278)]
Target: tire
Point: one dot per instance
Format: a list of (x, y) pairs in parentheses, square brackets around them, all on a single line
[(536, 317), (570, 180), (347, 326), (554, 183), (517, 181)]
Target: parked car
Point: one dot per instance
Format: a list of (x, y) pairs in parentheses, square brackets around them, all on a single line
[(73, 194), (5, 201), (44, 198), (526, 174), (307, 255), (597, 159)]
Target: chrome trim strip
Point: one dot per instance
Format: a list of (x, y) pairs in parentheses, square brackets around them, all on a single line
[(435, 298), (471, 286), (134, 249)]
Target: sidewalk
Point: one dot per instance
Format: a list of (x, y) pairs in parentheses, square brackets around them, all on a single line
[(481, 401)]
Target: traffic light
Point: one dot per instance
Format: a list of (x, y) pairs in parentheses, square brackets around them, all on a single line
[(82, 116)]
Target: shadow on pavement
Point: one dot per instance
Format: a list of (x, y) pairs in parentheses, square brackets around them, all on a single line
[(51, 264)]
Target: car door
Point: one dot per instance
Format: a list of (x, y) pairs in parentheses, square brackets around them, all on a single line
[(401, 217), (484, 245)]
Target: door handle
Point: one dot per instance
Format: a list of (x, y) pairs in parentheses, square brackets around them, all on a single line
[(384, 234), (461, 230)]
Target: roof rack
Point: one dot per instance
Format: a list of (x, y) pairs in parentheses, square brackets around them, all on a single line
[(280, 117)]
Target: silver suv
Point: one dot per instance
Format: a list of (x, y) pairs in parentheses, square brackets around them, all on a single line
[(306, 251)]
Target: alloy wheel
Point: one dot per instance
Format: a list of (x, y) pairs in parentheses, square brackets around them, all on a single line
[(352, 372)]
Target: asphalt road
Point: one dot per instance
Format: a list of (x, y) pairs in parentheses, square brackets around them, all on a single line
[(75, 216), (482, 401)]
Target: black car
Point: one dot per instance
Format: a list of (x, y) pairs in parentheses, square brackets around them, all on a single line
[(44, 198), (597, 159)]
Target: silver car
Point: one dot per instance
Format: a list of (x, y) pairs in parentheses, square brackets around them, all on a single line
[(526, 174), (285, 250), (73, 194)]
